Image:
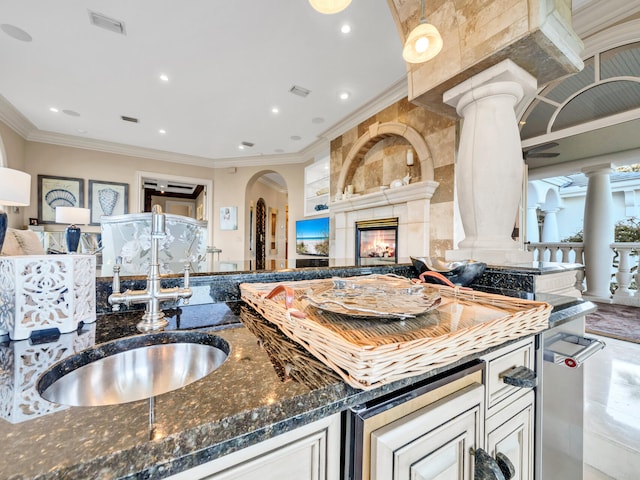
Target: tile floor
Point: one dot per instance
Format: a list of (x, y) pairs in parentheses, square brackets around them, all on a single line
[(612, 412)]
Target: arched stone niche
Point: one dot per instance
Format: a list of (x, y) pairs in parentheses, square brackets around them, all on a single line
[(423, 164)]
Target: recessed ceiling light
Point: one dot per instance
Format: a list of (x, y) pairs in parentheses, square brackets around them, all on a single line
[(241, 147), (164, 77), (344, 95), (317, 120), (162, 131), (82, 130), (275, 110), (346, 28), (53, 109), (296, 137), (15, 32), (71, 113)]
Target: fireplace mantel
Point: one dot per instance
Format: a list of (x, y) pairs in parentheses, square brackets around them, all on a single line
[(409, 203), (389, 196)]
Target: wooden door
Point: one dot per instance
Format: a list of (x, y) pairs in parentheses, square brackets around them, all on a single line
[(261, 223)]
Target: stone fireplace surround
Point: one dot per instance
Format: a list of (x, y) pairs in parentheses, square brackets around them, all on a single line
[(410, 203)]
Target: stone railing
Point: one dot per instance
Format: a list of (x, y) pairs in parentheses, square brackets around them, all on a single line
[(565, 252), (625, 270), (627, 274)]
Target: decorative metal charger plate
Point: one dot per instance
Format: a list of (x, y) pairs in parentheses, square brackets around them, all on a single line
[(375, 296)]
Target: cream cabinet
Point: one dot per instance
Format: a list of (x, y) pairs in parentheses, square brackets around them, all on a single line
[(435, 442), (484, 429), (316, 188), (510, 414), (311, 452), (510, 436)]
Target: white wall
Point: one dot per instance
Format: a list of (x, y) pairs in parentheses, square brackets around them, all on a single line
[(229, 189), (235, 186), (571, 216)]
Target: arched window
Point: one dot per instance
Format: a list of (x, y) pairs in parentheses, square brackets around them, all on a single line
[(608, 85)]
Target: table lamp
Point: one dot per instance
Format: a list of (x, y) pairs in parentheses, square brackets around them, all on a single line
[(74, 216), (15, 190)]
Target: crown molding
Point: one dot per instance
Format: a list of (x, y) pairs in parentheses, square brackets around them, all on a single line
[(600, 15), (18, 122), (626, 32), (14, 119), (398, 91)]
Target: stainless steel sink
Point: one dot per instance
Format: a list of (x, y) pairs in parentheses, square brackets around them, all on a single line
[(133, 368)]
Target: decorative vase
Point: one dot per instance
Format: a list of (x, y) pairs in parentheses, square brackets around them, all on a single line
[(108, 198)]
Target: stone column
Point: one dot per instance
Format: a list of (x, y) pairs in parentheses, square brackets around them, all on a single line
[(489, 169), (550, 226), (533, 232), (598, 233)]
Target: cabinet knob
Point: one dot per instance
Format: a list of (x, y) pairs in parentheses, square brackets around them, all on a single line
[(521, 376), (486, 467), (507, 468)]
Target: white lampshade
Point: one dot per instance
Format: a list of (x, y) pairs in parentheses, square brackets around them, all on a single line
[(15, 187), (423, 43), (329, 6), (73, 215)]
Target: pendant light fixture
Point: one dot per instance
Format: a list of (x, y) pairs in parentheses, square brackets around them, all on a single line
[(423, 43), (329, 6)]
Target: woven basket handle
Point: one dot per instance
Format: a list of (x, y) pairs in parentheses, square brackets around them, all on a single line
[(441, 278), (289, 297)]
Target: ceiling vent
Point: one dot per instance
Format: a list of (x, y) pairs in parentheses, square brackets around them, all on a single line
[(301, 92), (130, 119), (107, 23)]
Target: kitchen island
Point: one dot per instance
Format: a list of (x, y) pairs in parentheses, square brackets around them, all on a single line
[(258, 393)]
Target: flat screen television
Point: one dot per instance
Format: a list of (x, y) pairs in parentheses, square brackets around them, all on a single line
[(312, 237)]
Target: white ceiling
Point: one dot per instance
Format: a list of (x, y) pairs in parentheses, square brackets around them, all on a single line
[(229, 63)]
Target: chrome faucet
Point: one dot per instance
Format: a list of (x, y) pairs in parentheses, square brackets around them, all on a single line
[(153, 318)]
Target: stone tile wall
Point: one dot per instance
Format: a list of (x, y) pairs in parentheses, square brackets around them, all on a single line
[(535, 34), (385, 161)]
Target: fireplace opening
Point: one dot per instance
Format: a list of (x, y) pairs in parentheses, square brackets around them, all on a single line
[(376, 242)]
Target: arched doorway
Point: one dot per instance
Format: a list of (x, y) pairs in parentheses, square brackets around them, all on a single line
[(266, 200)]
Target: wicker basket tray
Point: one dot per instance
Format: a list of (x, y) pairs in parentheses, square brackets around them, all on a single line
[(369, 352)]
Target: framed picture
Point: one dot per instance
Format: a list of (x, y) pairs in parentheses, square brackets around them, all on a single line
[(58, 192), (312, 237), (107, 198), (228, 218)]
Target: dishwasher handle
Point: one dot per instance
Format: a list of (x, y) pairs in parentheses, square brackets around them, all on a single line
[(590, 346)]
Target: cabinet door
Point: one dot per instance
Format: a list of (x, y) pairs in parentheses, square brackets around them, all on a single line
[(510, 432), (433, 443), (311, 452)]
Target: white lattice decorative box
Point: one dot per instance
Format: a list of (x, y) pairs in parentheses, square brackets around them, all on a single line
[(40, 292), (22, 363)]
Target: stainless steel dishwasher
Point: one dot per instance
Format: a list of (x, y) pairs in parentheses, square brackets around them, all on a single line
[(560, 407)]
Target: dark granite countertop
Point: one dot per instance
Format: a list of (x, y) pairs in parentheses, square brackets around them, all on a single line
[(250, 398)]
